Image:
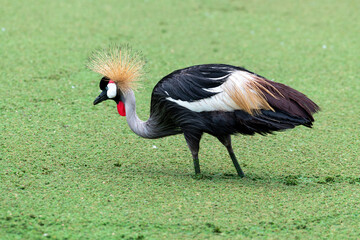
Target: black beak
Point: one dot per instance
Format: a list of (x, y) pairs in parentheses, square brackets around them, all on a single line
[(102, 97)]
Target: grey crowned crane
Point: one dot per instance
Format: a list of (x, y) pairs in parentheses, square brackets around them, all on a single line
[(217, 99)]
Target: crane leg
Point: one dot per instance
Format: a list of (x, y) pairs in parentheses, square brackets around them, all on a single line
[(226, 141), (193, 142)]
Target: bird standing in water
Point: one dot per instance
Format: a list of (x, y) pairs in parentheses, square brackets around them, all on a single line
[(217, 99)]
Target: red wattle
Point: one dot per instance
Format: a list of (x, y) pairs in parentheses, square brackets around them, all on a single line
[(121, 108)]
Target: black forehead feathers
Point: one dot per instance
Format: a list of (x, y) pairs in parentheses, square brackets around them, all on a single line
[(104, 82)]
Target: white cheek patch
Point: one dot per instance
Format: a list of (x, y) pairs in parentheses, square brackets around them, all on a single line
[(111, 92)]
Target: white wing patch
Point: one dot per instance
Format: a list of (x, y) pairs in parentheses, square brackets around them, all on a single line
[(239, 83), (218, 102)]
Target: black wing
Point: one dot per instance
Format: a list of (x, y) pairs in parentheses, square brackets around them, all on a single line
[(188, 84)]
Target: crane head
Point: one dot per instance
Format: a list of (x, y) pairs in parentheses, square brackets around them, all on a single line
[(110, 91)]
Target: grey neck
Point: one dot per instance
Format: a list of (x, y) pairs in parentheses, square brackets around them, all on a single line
[(138, 126), (152, 128)]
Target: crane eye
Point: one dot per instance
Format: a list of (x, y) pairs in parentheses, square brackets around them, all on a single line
[(104, 82)]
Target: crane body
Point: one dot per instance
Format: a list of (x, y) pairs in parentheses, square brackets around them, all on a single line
[(217, 99)]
